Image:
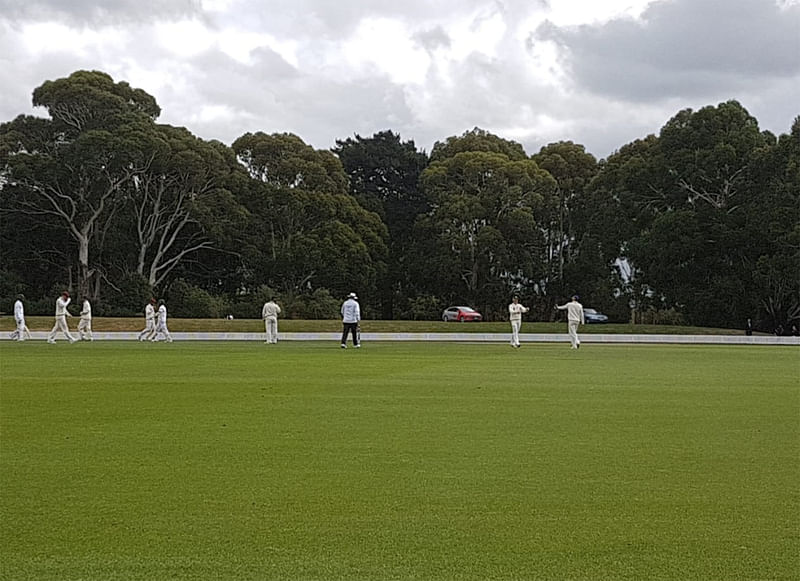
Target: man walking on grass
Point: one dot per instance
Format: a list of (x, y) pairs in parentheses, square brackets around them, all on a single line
[(515, 311), (149, 330), (21, 331), (61, 319), (270, 314), (85, 324), (161, 323), (574, 318), (351, 315)]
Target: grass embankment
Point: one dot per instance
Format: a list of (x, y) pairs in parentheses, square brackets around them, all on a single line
[(241, 461), (324, 326)]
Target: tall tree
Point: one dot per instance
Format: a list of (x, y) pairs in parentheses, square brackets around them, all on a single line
[(689, 196), (772, 231), (307, 232), (477, 140), (615, 212), (177, 200), (74, 166), (384, 178), (563, 225), (483, 234)]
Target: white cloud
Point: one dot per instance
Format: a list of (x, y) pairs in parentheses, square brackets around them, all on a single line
[(597, 73), (184, 38), (573, 13), (387, 45)]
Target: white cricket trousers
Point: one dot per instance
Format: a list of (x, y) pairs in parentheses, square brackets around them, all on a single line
[(271, 324), (515, 327), (161, 329), (573, 334), (61, 325), (85, 330), (21, 332), (149, 330)]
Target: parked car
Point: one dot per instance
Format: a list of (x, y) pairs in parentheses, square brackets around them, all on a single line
[(461, 314), (592, 316)]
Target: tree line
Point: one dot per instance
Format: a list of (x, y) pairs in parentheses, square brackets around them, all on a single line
[(699, 224)]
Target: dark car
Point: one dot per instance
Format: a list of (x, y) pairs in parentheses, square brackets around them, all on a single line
[(461, 314), (592, 316)]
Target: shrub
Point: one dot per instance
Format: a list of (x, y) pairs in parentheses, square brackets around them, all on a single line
[(134, 293), (661, 317), (317, 305), (248, 306), (188, 301), (424, 308)]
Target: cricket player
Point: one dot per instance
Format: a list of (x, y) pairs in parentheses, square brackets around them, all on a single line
[(574, 318), (62, 313), (515, 310), (21, 331), (149, 330), (351, 316), (161, 323), (85, 324), (270, 314)]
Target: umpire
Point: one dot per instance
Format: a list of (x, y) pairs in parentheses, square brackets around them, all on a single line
[(351, 315)]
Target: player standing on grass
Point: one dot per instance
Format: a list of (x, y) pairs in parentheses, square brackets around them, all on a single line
[(574, 318), (85, 324), (149, 322), (61, 319), (515, 310), (351, 316), (161, 323), (270, 314), (21, 331)]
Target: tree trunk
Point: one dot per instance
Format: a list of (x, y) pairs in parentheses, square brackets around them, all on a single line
[(83, 266)]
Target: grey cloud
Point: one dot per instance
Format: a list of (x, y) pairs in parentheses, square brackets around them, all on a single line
[(684, 48), (271, 96), (432, 38), (333, 21), (628, 77), (93, 12)]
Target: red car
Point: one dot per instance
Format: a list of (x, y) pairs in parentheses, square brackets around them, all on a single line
[(461, 314)]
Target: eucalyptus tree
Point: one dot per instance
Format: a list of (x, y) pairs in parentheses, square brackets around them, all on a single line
[(773, 229), (74, 166), (689, 195), (483, 234), (565, 224), (306, 230), (477, 140), (178, 201)]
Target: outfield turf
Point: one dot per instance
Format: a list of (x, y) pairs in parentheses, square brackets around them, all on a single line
[(300, 461)]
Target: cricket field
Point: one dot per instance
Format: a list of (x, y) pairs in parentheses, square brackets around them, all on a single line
[(398, 461)]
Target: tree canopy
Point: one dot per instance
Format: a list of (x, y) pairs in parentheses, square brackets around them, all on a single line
[(699, 223)]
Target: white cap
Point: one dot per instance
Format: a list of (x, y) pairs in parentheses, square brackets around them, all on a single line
[(352, 296)]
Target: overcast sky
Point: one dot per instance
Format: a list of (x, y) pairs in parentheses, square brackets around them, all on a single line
[(598, 72)]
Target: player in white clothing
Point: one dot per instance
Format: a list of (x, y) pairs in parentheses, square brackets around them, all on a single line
[(270, 314), (161, 323), (21, 331), (85, 324), (515, 310), (61, 319), (149, 330), (574, 318)]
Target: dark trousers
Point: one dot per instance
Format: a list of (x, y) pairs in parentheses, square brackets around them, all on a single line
[(350, 328)]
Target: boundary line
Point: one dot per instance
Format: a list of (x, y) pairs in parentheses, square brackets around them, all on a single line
[(455, 337)]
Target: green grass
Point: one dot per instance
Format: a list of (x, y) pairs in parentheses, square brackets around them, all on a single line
[(240, 461), (332, 325)]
